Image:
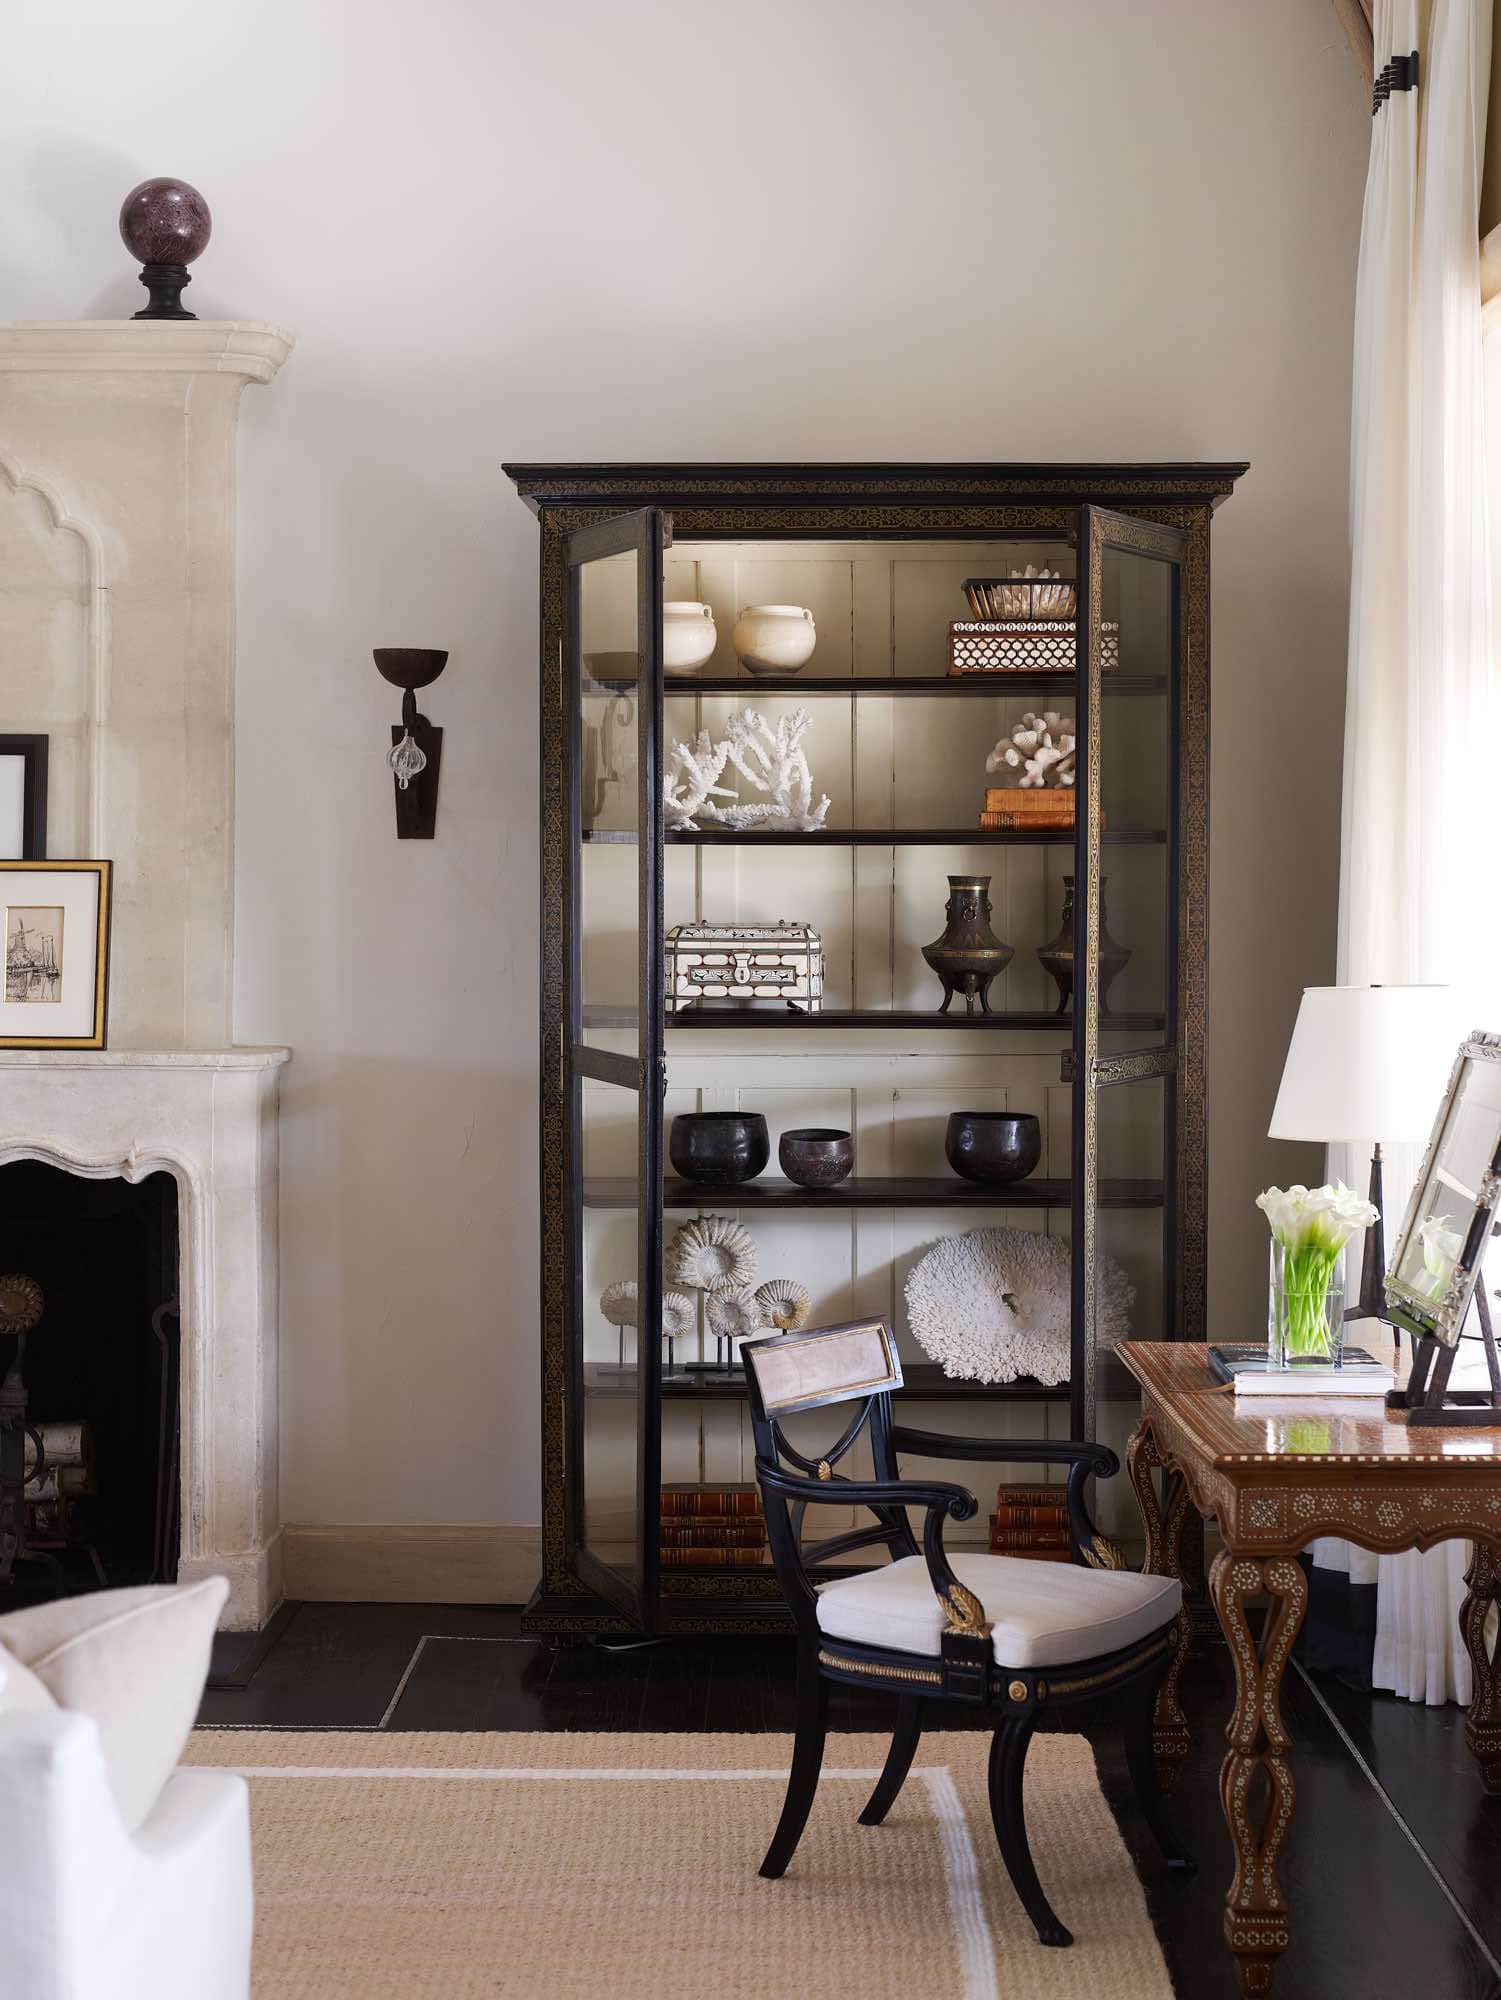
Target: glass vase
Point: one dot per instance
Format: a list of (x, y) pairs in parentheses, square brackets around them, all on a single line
[(1305, 1307)]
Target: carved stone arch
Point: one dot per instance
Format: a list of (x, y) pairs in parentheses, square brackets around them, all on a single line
[(20, 480), (196, 1316)]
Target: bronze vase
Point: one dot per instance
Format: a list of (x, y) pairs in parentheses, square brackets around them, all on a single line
[(1057, 955), (969, 954)]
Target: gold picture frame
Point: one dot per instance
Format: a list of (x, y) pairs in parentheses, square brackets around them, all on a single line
[(56, 935)]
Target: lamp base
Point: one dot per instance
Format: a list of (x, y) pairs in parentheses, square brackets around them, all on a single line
[(1372, 1301)]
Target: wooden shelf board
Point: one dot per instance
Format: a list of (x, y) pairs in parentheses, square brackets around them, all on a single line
[(992, 685), (907, 836), (745, 1018), (869, 1191), (923, 1381)]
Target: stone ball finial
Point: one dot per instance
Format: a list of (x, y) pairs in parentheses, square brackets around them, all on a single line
[(166, 223)]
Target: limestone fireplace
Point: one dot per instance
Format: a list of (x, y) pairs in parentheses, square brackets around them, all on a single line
[(117, 620)]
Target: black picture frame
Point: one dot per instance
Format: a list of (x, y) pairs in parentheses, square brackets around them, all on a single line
[(32, 751)]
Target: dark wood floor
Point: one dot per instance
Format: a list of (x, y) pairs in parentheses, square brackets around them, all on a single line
[(1394, 1870)]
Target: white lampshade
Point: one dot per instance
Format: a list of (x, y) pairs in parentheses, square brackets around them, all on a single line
[(1368, 1063)]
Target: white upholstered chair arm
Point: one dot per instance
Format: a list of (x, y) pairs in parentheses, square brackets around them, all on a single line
[(55, 1806), (88, 1912)]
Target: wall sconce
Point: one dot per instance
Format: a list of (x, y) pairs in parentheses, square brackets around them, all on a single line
[(416, 745)]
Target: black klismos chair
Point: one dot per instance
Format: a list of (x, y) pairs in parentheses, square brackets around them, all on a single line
[(1002, 1632)]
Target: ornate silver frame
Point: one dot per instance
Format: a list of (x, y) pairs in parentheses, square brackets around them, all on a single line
[(1442, 1320)]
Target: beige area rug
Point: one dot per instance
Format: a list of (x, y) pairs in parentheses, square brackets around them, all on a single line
[(408, 1867)]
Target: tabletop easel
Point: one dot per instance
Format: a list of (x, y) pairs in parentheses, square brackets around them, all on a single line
[(1427, 1397)]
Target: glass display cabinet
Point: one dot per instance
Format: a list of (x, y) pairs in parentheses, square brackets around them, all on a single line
[(1096, 1025)]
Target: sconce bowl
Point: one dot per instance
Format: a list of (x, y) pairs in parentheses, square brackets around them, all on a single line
[(410, 666)]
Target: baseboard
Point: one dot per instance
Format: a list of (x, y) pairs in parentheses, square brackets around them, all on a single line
[(256, 1586), (412, 1565)]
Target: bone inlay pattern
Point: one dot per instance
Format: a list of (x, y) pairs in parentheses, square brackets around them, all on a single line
[(1275, 1477)]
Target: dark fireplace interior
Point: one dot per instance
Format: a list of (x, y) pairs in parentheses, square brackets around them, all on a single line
[(99, 1379)]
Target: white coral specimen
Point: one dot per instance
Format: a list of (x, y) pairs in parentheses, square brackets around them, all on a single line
[(619, 1304), (772, 760), (785, 1302), (1042, 746), (712, 1254), (994, 1304)]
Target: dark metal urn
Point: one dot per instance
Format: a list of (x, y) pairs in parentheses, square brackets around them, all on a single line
[(993, 1145), (816, 1156), (969, 954), (166, 224), (1057, 955), (719, 1148)]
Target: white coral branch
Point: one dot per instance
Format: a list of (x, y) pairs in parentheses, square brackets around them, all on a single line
[(771, 760)]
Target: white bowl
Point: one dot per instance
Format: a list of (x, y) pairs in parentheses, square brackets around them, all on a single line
[(688, 637), (774, 638)]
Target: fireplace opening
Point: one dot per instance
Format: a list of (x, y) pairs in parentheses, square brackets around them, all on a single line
[(89, 1382)]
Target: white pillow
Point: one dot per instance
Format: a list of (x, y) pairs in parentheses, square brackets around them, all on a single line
[(21, 1693), (134, 1660)]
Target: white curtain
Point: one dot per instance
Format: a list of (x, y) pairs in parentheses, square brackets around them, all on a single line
[(1422, 775)]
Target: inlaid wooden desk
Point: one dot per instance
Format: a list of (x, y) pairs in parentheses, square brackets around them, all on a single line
[(1274, 1474)]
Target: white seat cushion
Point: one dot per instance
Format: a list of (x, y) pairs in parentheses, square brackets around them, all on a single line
[(1043, 1614), (134, 1660)]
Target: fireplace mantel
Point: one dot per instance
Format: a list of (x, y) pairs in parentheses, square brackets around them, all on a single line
[(207, 1117), (117, 627)]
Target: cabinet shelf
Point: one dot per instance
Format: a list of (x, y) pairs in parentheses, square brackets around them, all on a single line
[(754, 1020), (868, 1191), (922, 1381), (887, 836), (990, 686)]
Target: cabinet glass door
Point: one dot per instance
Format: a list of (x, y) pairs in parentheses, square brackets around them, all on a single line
[(614, 683), (1126, 861)]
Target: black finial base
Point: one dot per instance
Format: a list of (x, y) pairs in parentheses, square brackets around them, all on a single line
[(164, 283)]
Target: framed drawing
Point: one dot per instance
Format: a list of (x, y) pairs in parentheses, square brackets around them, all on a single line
[(23, 798), (56, 929)]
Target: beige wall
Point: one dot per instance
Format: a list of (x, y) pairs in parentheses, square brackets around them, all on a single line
[(676, 230)]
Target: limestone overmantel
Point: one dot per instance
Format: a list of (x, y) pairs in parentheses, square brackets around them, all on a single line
[(251, 349), (117, 629), (209, 1118), (117, 637)]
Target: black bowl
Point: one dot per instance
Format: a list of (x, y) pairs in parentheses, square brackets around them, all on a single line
[(719, 1148), (817, 1156), (993, 1145)]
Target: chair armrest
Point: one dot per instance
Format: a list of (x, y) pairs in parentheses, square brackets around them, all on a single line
[(966, 1641), (953, 1500), (1085, 1460), (1098, 1459), (65, 1856)]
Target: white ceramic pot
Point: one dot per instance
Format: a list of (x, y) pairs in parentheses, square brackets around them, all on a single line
[(774, 638), (688, 637)]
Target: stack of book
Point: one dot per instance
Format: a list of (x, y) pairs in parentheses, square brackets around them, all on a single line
[(1039, 809), (712, 1527), (1031, 1521)]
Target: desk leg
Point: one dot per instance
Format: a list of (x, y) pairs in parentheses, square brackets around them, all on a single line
[(1483, 1724), (1164, 1526), (1255, 1914)]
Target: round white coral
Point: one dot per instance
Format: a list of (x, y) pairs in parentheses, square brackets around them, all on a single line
[(994, 1305)]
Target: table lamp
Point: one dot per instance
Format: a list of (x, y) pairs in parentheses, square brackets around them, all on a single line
[(1367, 1065)]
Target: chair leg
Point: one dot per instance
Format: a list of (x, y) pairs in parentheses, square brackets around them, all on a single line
[(904, 1741), (1141, 1761), (1008, 1756), (807, 1761)]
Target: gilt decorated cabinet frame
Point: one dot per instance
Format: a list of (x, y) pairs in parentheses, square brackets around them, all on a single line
[(599, 1573)]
